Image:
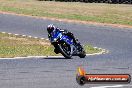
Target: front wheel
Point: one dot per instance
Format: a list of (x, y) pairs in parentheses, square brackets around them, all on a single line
[(65, 50)]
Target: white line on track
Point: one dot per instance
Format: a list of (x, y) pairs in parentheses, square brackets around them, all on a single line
[(9, 33), (95, 47), (23, 35), (36, 37), (29, 36), (114, 86), (16, 34), (42, 38), (3, 32), (45, 56), (30, 57)]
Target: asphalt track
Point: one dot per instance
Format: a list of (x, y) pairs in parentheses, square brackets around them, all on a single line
[(61, 72)]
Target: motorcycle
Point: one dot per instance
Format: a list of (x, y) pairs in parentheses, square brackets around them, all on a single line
[(64, 44)]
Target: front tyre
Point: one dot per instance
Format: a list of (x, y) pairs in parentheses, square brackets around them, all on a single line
[(65, 50)]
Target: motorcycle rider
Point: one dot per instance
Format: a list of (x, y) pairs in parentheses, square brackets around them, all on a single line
[(52, 28)]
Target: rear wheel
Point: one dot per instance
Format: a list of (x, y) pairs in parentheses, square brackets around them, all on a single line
[(82, 54), (65, 50)]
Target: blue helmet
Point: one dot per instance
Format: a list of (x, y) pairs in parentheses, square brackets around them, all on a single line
[(50, 28)]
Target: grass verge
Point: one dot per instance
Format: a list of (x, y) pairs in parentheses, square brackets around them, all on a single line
[(104, 13), (19, 46)]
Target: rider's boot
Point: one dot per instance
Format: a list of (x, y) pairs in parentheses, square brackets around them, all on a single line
[(56, 51)]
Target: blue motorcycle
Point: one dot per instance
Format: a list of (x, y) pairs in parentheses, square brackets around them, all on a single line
[(64, 44)]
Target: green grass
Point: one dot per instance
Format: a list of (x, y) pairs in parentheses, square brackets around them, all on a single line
[(104, 13), (13, 46), (19, 46), (89, 49)]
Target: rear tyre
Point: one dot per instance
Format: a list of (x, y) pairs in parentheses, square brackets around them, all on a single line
[(82, 54)]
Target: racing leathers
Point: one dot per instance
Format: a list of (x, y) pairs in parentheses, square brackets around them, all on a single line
[(65, 32)]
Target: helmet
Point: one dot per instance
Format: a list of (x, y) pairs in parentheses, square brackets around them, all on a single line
[(50, 28)]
